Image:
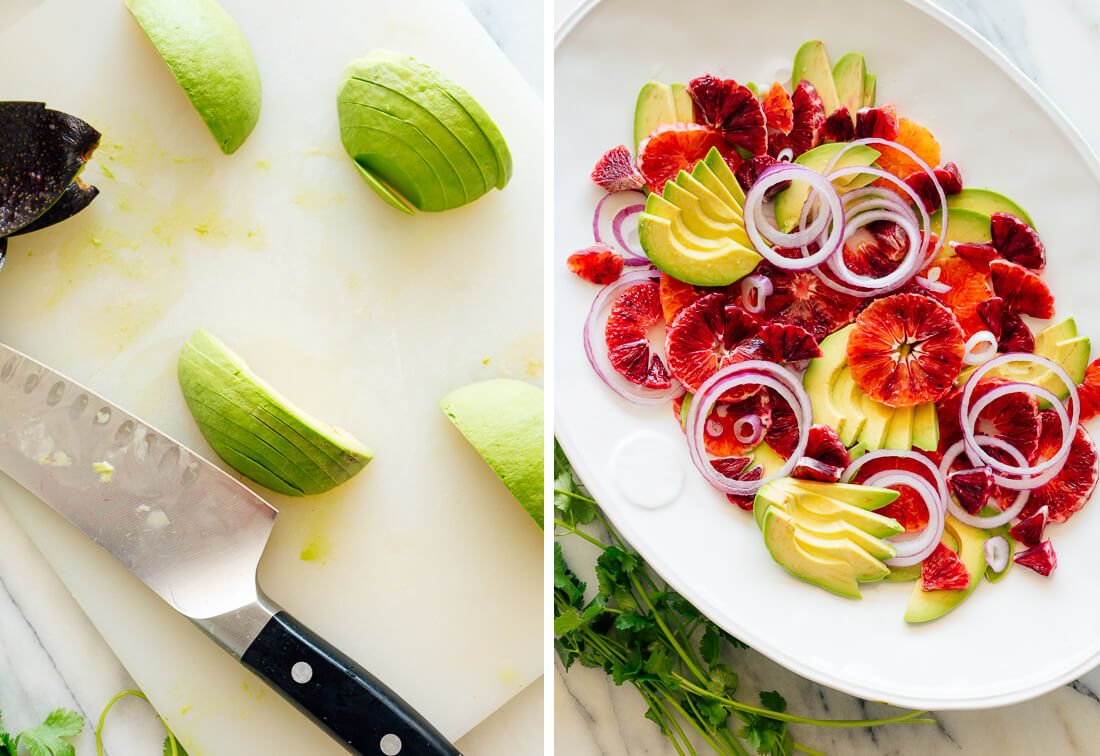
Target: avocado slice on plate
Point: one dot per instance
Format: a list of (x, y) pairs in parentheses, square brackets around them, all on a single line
[(925, 606), (788, 203), (963, 225), (811, 63), (985, 202), (832, 574), (850, 75)]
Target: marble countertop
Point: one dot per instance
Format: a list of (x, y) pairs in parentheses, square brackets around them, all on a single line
[(52, 656), (1054, 43)]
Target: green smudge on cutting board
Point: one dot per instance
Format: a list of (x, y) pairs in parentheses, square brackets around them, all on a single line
[(317, 549)]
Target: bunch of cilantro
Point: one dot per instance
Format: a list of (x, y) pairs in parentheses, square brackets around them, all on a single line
[(47, 739), (640, 631)]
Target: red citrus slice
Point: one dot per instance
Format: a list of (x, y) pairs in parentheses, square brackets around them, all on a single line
[(778, 109), (718, 432), (875, 249), (781, 342), (782, 435), (880, 122), (676, 295), (971, 488), (1089, 391), (1040, 558), (949, 177), (925, 188), (600, 264), (905, 349), (615, 171), (704, 338), (838, 127), (633, 312), (825, 457), (678, 147), (1023, 291), (746, 502), (1029, 531), (809, 117), (1013, 418), (909, 508), (943, 571), (800, 298), (918, 139), (750, 170), (1071, 488), (1007, 327), (969, 289), (978, 255), (731, 109), (1016, 241)]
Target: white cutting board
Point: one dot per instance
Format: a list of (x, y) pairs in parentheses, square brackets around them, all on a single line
[(424, 568)]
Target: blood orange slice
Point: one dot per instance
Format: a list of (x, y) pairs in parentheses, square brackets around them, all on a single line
[(880, 122), (1023, 291), (678, 147), (1017, 241), (918, 139), (1040, 558), (800, 298), (909, 508), (1089, 391), (1013, 418), (1071, 488), (943, 571), (778, 109), (1029, 531), (1007, 327), (971, 488), (809, 117), (905, 349), (633, 312), (825, 457), (838, 127), (599, 264), (704, 338), (969, 289), (615, 171), (731, 109), (719, 435)]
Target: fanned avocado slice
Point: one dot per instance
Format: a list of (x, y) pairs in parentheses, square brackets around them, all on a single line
[(41, 153), (76, 197)]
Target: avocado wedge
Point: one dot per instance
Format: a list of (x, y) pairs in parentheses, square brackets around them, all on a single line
[(41, 153), (256, 430)]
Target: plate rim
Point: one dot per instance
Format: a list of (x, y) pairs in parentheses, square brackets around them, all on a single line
[(983, 701)]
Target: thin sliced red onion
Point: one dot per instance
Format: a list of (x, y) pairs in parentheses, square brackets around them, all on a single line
[(979, 521), (872, 141), (613, 211), (1041, 472), (596, 353), (996, 553), (748, 430), (785, 155), (913, 549), (979, 348), (750, 372), (937, 287), (941, 480), (763, 234), (759, 285)]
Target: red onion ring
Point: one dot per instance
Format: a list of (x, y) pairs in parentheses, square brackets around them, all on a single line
[(935, 286), (613, 209), (762, 286), (913, 549), (756, 372), (941, 480), (1044, 471), (979, 521), (906, 268), (758, 228), (996, 553), (594, 326), (972, 352), (748, 430)]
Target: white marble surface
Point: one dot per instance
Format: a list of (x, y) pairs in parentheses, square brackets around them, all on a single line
[(1056, 43), (52, 656)]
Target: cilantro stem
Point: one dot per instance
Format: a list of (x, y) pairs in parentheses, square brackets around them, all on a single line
[(575, 495), (689, 659), (573, 529), (171, 741)]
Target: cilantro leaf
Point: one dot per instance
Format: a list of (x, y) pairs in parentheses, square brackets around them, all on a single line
[(48, 738), (169, 741), (769, 737), (570, 499), (770, 699), (710, 645)]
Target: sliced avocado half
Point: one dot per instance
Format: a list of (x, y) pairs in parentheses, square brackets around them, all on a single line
[(256, 430), (986, 202), (963, 225), (659, 104), (811, 63), (850, 76)]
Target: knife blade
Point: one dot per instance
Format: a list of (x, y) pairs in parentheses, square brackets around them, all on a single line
[(194, 535)]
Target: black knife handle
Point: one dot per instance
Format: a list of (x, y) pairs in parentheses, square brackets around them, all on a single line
[(357, 709)]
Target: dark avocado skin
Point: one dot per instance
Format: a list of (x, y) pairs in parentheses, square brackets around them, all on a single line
[(41, 153), (75, 198)]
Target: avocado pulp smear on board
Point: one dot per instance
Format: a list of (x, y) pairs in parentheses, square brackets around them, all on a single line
[(418, 139)]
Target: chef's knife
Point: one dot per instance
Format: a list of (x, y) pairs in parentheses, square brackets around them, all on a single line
[(194, 535)]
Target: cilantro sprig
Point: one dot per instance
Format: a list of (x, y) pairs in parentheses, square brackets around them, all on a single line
[(51, 738), (171, 747), (640, 631)]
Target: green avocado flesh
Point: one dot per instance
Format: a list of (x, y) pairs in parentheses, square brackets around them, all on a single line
[(503, 420), (659, 104), (695, 229), (850, 75), (811, 63), (211, 60), (1060, 344), (838, 401), (256, 430), (985, 202), (827, 533), (420, 140), (789, 202), (925, 606), (963, 226), (41, 153)]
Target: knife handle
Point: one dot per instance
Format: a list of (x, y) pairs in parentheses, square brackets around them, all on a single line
[(357, 709)]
